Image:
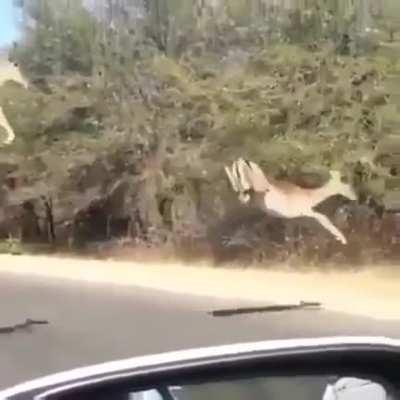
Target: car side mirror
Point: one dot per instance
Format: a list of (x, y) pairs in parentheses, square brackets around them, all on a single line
[(353, 388)]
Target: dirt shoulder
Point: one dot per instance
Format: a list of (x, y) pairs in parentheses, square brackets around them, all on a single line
[(372, 292)]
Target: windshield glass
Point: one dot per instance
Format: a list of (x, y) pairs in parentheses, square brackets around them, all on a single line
[(306, 387), (169, 162)]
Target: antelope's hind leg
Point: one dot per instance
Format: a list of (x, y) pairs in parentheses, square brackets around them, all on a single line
[(328, 225)]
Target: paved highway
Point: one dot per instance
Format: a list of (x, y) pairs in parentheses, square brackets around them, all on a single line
[(95, 322)]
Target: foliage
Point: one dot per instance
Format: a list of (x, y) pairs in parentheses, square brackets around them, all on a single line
[(58, 40), (10, 246), (108, 106)]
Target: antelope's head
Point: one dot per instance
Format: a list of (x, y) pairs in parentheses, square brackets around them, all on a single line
[(245, 178)]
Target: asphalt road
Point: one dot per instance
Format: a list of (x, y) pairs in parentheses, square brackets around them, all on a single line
[(91, 323)]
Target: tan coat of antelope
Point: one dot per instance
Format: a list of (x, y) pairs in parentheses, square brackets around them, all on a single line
[(284, 199), (9, 72)]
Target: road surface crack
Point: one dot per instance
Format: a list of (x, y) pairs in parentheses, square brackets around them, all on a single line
[(28, 323), (273, 308)]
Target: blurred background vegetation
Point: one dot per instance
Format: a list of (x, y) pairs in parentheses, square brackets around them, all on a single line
[(134, 106)]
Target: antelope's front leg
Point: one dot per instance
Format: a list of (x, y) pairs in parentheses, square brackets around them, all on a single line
[(328, 225), (10, 132)]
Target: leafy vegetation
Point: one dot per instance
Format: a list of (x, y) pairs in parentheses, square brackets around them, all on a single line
[(129, 120)]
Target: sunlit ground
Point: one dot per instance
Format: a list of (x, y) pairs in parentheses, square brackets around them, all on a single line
[(372, 292)]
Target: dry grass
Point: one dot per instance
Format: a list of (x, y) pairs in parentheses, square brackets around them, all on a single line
[(372, 292)]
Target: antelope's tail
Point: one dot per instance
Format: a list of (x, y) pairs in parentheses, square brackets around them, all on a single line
[(342, 188)]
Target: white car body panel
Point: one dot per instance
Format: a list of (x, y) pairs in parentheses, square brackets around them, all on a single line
[(112, 368)]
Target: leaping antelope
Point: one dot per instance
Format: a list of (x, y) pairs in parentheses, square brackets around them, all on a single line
[(9, 71), (284, 199)]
